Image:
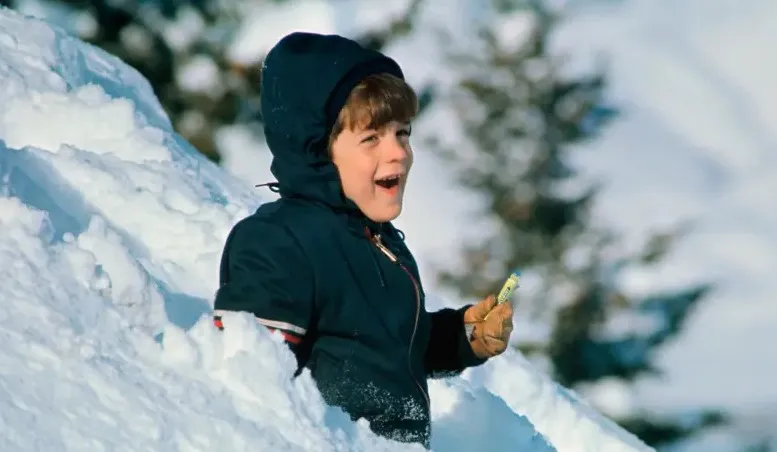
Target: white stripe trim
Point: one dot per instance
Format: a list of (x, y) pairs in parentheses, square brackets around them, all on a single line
[(272, 323), (282, 326)]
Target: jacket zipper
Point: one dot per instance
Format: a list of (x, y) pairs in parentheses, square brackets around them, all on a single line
[(387, 252)]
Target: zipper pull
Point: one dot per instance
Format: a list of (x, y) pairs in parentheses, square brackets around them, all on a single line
[(376, 240)]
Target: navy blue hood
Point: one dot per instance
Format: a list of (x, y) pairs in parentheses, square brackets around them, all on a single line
[(306, 80)]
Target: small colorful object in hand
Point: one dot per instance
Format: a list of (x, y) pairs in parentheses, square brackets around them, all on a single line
[(509, 286)]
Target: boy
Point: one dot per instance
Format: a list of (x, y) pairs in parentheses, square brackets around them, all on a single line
[(324, 265)]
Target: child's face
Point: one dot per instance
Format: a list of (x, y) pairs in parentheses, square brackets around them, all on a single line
[(373, 167)]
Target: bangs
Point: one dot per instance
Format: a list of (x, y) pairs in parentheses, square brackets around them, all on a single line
[(375, 102)]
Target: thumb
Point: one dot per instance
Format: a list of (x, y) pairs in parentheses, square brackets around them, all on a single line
[(478, 311)]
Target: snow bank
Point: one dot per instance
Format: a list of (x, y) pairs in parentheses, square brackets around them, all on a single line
[(112, 228)]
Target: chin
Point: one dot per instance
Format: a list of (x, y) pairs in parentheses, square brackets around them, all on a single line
[(385, 214)]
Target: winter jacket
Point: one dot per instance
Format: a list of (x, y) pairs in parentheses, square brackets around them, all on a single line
[(343, 290)]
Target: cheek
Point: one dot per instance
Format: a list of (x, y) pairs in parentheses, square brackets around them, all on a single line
[(357, 180)]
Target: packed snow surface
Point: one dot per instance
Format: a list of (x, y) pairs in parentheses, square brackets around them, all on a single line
[(111, 230)]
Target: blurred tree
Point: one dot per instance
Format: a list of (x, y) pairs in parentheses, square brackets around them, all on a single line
[(181, 46), (519, 117)]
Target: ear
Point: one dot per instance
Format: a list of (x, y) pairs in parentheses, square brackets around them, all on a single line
[(330, 145)]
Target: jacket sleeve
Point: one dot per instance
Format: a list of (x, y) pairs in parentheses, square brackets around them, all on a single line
[(264, 271), (448, 352)]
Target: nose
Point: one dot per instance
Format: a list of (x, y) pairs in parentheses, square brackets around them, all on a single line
[(396, 150)]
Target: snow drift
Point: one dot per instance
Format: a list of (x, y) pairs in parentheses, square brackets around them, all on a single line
[(111, 230)]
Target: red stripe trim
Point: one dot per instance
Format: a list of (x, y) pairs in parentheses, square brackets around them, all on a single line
[(289, 337)]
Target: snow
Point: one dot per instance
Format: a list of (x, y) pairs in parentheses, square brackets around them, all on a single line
[(112, 228)]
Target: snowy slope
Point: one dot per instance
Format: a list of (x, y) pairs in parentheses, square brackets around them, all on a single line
[(110, 232)]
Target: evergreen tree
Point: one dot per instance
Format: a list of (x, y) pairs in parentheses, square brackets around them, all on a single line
[(519, 118), (163, 39)]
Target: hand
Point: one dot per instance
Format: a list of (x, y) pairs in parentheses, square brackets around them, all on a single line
[(492, 327)]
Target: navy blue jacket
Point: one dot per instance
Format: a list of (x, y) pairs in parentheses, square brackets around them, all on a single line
[(344, 290)]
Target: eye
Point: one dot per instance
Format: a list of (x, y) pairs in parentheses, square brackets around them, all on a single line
[(405, 131), (370, 138)]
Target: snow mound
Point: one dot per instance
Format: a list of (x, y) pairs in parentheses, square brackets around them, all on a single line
[(112, 228)]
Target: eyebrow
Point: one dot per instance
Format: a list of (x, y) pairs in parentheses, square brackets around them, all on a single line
[(407, 125)]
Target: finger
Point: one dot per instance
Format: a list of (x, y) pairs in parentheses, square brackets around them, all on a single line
[(501, 331), (485, 307), (494, 325), (499, 311), (506, 332), (503, 310), (507, 321), (496, 345), (495, 329), (500, 316), (491, 301), (487, 304), (474, 313), (492, 335)]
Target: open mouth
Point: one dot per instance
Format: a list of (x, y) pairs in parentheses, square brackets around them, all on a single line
[(389, 182)]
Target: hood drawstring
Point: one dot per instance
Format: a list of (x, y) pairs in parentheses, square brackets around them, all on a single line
[(274, 187)]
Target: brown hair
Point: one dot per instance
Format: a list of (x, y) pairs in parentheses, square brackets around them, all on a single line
[(374, 102)]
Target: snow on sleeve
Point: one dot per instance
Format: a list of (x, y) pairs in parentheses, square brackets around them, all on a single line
[(112, 233)]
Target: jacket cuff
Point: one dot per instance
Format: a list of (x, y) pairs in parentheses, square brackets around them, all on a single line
[(467, 356)]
